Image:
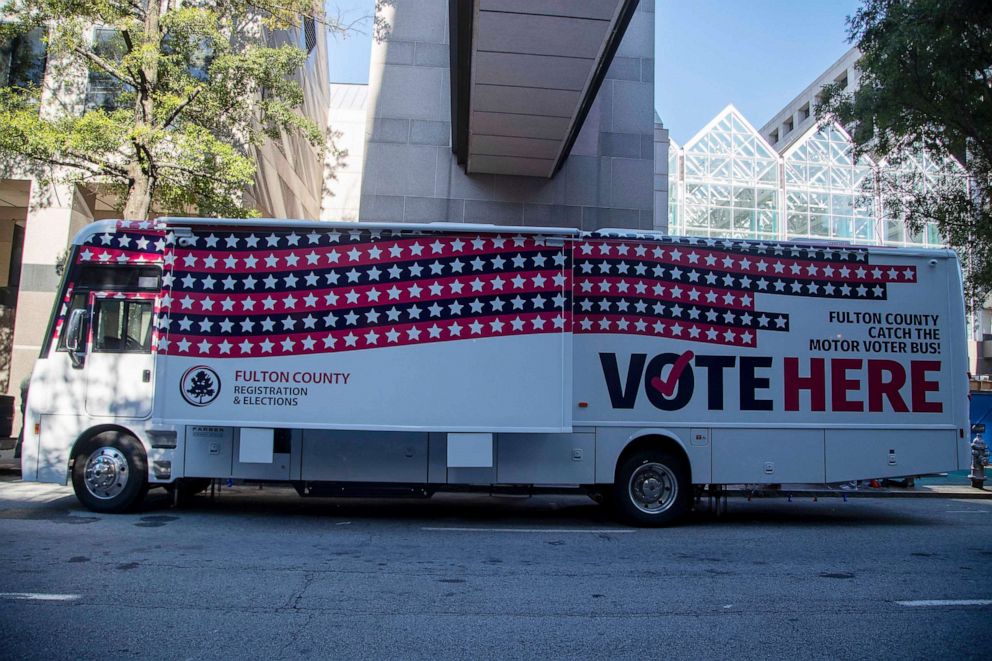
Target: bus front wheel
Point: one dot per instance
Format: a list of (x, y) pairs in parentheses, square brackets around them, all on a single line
[(110, 473)]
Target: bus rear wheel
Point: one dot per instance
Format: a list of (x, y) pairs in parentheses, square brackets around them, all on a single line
[(110, 473), (653, 488)]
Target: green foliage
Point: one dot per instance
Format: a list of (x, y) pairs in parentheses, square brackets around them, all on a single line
[(195, 90), (926, 70)]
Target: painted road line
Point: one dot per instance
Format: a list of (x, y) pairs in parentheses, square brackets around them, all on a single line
[(946, 602), (535, 530), (38, 596)]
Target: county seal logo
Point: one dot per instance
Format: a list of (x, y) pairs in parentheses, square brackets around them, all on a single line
[(200, 385)]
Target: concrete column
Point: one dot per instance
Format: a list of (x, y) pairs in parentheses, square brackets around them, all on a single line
[(661, 177), (55, 213)]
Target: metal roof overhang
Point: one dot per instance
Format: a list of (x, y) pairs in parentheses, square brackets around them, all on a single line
[(524, 74)]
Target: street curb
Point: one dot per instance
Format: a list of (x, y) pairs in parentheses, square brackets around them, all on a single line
[(955, 492)]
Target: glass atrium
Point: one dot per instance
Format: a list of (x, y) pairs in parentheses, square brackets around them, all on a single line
[(727, 181)]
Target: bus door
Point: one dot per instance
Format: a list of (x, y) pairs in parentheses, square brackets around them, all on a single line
[(120, 366)]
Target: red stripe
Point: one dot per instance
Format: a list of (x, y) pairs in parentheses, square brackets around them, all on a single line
[(380, 295), (668, 329), (684, 290), (361, 336), (341, 255), (787, 263), (111, 255)]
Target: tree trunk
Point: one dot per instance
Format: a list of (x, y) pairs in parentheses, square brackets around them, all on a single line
[(142, 169), (139, 193)]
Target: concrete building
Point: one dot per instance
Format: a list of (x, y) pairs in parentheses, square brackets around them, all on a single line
[(512, 112), (38, 219), (345, 157), (799, 115), (662, 163)]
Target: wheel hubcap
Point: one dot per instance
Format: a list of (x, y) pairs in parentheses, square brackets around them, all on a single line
[(106, 473), (653, 488)]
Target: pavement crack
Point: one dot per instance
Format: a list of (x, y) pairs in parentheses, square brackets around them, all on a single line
[(293, 604)]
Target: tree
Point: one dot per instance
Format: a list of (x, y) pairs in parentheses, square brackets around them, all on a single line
[(926, 71), (201, 386), (189, 87)]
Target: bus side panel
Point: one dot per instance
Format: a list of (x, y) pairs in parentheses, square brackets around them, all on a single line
[(745, 340), (860, 454)]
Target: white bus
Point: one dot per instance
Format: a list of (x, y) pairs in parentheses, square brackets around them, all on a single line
[(409, 359)]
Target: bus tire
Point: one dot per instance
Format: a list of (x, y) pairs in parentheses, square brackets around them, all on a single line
[(110, 472), (653, 488)]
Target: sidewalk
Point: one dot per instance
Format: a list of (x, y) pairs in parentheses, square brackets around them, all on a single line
[(950, 485)]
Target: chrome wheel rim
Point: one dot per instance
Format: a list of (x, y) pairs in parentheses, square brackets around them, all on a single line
[(106, 473), (653, 488)]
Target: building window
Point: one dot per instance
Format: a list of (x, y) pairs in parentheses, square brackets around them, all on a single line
[(309, 34), (103, 91), (773, 136), (787, 126), (842, 80), (23, 59), (804, 112)]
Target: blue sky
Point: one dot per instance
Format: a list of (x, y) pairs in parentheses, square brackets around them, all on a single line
[(756, 54)]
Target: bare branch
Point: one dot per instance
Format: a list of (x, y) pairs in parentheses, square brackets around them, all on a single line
[(105, 66)]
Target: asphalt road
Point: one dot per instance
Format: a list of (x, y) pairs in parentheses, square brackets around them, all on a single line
[(266, 574)]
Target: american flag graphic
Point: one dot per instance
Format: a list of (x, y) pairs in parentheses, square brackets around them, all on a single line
[(703, 290), (232, 293)]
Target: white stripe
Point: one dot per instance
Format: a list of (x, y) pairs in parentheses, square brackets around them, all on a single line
[(533, 530), (947, 602), (38, 596)]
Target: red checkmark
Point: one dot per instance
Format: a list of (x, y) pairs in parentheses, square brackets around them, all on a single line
[(667, 386)]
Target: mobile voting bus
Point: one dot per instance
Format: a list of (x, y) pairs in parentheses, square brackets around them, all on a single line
[(355, 358)]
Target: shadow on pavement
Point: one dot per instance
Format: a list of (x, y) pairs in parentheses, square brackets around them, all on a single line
[(537, 511)]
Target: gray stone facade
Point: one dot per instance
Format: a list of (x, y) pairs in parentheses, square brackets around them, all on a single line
[(411, 175)]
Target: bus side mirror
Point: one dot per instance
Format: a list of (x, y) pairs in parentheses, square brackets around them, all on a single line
[(74, 337)]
